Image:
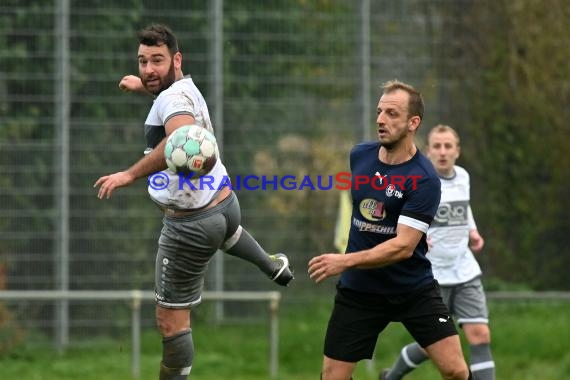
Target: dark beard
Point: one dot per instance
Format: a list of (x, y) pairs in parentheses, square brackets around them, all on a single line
[(389, 146), (395, 143), (167, 81)]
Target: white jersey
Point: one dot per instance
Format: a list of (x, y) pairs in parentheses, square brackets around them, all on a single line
[(452, 260), (183, 97)]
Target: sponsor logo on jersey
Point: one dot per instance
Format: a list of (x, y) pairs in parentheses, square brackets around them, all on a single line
[(391, 191), (371, 227), (451, 214), (372, 210)]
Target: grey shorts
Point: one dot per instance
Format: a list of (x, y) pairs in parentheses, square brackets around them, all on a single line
[(467, 302), (185, 248)]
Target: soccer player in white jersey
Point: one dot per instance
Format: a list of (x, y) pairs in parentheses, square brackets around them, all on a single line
[(197, 221), (453, 237)]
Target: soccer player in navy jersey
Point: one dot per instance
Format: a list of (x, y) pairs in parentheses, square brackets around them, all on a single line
[(453, 237), (385, 275)]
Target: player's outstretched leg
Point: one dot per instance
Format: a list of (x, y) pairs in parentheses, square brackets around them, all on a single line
[(410, 357), (277, 267)]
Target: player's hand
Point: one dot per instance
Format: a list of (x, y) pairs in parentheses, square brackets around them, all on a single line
[(131, 83), (476, 241), (111, 182), (429, 242), (326, 265)]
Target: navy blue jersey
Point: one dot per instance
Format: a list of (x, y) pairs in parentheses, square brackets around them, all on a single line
[(382, 196)]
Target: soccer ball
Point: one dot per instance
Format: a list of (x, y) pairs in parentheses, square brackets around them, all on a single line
[(191, 149)]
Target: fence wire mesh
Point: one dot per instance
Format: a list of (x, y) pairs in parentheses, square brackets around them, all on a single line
[(292, 102)]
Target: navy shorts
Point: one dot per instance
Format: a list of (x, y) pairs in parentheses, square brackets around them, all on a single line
[(358, 318)]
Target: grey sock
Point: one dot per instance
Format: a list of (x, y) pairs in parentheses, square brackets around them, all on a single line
[(177, 356), (244, 246), (482, 364), (410, 357)]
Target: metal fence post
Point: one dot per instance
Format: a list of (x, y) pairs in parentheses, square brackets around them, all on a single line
[(274, 336), (62, 186), (136, 334)]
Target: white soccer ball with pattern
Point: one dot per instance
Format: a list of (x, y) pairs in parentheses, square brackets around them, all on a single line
[(191, 149)]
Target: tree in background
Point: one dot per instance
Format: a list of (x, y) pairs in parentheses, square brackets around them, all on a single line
[(516, 93)]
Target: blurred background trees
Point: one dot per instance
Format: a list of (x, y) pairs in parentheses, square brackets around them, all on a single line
[(497, 71), (514, 93)]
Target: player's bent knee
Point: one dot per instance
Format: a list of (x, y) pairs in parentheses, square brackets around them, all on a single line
[(337, 370), (457, 374), (477, 334), (172, 321)]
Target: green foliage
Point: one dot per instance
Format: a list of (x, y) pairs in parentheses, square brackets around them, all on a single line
[(11, 334), (516, 129), (283, 112), (312, 165)]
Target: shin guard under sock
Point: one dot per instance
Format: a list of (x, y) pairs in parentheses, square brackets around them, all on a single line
[(177, 356), (482, 365), (410, 357)]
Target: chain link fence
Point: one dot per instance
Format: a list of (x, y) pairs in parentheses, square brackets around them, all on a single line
[(291, 86)]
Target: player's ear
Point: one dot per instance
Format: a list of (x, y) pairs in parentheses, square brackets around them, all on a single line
[(414, 123), (177, 58)]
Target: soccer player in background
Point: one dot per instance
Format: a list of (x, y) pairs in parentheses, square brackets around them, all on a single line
[(452, 239), (385, 275), (197, 222)]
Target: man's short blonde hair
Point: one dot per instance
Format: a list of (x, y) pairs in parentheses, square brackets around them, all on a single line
[(442, 128)]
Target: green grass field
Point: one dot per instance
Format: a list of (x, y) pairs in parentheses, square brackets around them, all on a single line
[(530, 341)]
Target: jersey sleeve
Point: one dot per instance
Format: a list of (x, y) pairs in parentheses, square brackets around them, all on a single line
[(421, 204), (470, 219), (171, 104)]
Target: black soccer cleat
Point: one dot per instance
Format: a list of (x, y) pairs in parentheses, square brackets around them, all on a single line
[(283, 275)]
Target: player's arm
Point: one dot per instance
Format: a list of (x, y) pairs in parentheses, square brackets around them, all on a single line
[(391, 251), (476, 241), (399, 248), (149, 164), (133, 83), (155, 161)]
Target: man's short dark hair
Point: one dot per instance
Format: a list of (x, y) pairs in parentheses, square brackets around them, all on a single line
[(158, 35)]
